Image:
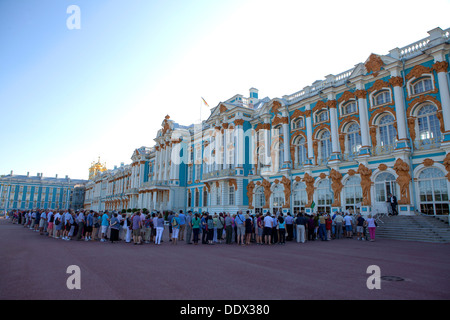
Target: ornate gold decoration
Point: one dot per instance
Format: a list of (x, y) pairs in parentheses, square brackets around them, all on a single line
[(346, 96), (374, 64), (287, 192), (318, 128), (298, 179), (440, 66), (382, 167), (396, 81), (208, 187), (309, 181), (332, 104), (239, 122), (275, 107), (280, 120), (262, 126), (316, 150), (447, 165), (336, 185), (347, 120), (361, 94), (418, 71), (428, 162), (319, 105), (403, 180), (233, 182), (297, 114), (365, 174), (412, 127), (378, 85), (250, 188), (373, 135), (222, 108), (322, 175), (351, 172), (342, 142), (166, 125)]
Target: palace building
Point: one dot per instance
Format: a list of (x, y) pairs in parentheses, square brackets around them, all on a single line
[(25, 192), (343, 143)]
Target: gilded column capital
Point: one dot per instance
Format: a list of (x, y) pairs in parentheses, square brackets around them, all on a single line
[(440, 66), (396, 81), (361, 94)]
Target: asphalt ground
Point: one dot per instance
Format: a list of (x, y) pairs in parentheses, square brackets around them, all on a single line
[(35, 267)]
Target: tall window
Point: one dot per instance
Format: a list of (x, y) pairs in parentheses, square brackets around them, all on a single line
[(429, 127), (205, 197), (324, 196), (353, 138), (384, 185), (189, 196), (231, 195), (387, 130), (300, 151), (353, 193), (260, 200), (300, 197), (278, 198), (325, 145), (218, 196), (298, 123), (433, 192), (322, 116), (197, 197)]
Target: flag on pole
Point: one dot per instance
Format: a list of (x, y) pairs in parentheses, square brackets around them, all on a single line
[(313, 204), (205, 102)]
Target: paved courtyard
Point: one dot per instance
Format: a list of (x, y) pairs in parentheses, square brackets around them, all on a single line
[(35, 267)]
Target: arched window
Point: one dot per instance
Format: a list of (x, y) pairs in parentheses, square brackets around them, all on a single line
[(322, 116), (387, 131), (325, 145), (349, 107), (300, 151), (298, 123), (197, 197), (429, 127), (324, 196), (353, 138), (353, 193), (300, 197), (205, 197), (433, 192), (382, 97), (384, 185), (421, 85)]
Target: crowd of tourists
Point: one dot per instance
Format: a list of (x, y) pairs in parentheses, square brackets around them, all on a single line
[(192, 228)]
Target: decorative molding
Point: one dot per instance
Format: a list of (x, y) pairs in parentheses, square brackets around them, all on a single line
[(440, 66), (287, 191), (275, 107), (378, 85), (396, 81), (239, 122), (374, 64), (351, 172), (279, 120), (428, 162), (233, 182), (336, 185), (297, 114), (250, 188), (361, 94), (309, 181), (365, 174), (447, 165), (332, 104), (319, 105), (322, 175), (222, 108), (346, 96), (267, 192), (382, 167), (418, 71)]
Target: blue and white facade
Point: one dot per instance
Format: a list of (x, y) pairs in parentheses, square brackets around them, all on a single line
[(25, 192), (343, 143)]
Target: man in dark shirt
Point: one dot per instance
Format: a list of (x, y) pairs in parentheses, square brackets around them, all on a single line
[(360, 227), (300, 222)]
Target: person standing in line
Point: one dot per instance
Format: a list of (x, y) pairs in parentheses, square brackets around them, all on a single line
[(136, 227), (148, 222), (188, 227), (80, 221), (248, 229), (275, 236), (169, 219), (70, 225), (338, 220), (196, 227), (259, 229), (322, 230), (50, 219), (371, 225), (228, 228), (348, 226), (155, 218), (210, 229), (300, 226), (328, 226), (89, 225), (360, 227), (282, 229), (159, 229), (175, 228), (289, 227), (311, 227), (58, 225), (268, 224), (43, 222), (240, 227), (104, 226), (182, 228), (114, 227), (220, 226)]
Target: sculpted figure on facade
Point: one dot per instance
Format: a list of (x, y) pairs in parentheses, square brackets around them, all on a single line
[(287, 191), (447, 165), (336, 185), (365, 174), (267, 192), (250, 188), (309, 181), (403, 180)]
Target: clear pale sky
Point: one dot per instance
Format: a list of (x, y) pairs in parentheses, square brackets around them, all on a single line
[(70, 96)]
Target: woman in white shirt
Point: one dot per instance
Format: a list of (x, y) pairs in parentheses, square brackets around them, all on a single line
[(372, 226)]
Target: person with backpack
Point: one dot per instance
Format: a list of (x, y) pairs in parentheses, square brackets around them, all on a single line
[(282, 229), (159, 229)]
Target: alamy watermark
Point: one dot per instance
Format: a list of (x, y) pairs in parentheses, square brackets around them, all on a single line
[(374, 281), (74, 20), (74, 280)]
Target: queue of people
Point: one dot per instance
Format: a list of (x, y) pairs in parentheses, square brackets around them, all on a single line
[(194, 228)]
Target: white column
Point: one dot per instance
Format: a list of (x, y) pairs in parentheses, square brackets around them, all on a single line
[(441, 67), (309, 134), (334, 130), (267, 142), (363, 119), (286, 143)]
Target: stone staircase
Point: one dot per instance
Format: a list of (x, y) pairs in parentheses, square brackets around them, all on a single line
[(414, 228)]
